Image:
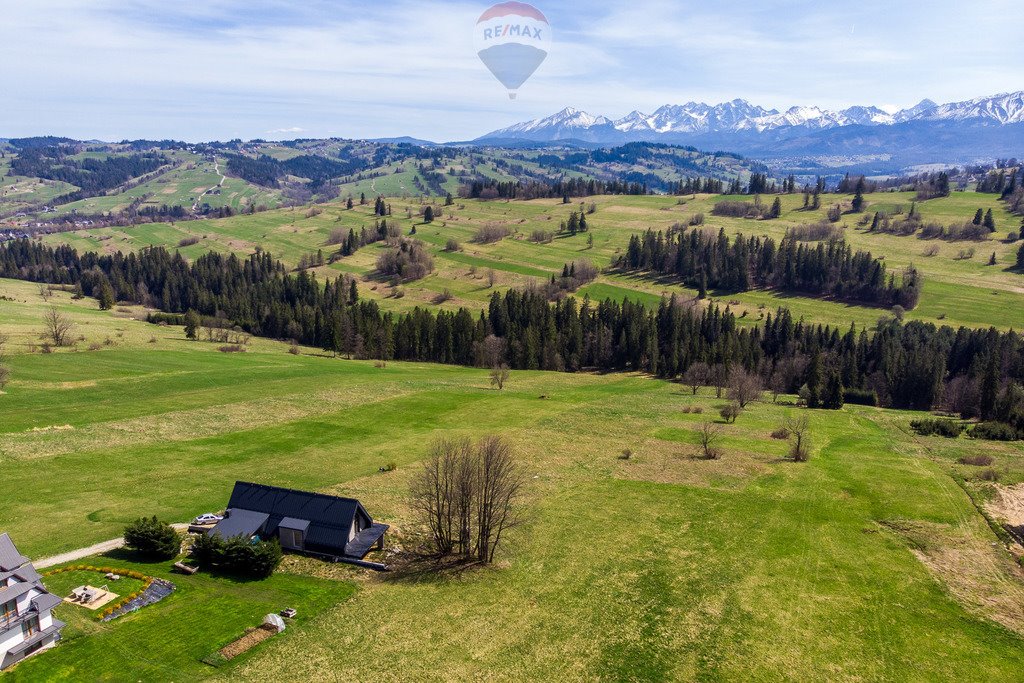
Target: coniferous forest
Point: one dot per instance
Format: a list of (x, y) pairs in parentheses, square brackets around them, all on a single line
[(701, 260), (914, 365)]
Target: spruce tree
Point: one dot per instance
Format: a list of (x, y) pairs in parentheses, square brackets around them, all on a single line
[(990, 221), (776, 208), (990, 386), (192, 323), (428, 215), (979, 216)]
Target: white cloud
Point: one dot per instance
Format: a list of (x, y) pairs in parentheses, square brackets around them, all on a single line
[(227, 68)]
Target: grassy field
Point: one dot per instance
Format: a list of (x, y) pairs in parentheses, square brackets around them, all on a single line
[(868, 563), (957, 292), (168, 640)]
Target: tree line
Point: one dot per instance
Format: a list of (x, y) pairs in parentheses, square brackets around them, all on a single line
[(703, 260), (914, 365)]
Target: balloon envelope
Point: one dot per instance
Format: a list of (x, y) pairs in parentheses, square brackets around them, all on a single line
[(512, 39)]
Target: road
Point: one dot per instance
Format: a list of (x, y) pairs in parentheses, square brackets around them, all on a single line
[(82, 553), (216, 167)]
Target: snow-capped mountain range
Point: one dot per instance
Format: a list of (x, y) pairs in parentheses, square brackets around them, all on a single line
[(739, 116)]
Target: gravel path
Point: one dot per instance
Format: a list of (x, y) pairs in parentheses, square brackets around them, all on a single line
[(82, 553)]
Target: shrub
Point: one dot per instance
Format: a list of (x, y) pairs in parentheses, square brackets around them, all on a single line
[(409, 260), (861, 397), (989, 475), (950, 429), (152, 538), (188, 241), (232, 348), (816, 232), (452, 246), (730, 412), (626, 454), (976, 460), (542, 236), (237, 555), (492, 232), (995, 431), (781, 434)]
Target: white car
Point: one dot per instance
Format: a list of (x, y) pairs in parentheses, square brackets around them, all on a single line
[(208, 518)]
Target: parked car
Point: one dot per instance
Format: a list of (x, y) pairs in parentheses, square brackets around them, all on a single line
[(208, 518)]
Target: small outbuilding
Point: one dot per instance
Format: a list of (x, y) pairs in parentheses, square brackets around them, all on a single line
[(314, 523)]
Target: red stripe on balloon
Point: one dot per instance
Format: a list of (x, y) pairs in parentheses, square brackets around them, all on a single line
[(506, 8)]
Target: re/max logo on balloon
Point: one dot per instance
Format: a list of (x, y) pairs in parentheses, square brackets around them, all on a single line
[(512, 40), (513, 31)]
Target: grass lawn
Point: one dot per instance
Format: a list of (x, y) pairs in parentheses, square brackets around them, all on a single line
[(868, 563), (166, 641)]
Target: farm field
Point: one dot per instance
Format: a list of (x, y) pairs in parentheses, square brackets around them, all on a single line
[(957, 291), (870, 562)]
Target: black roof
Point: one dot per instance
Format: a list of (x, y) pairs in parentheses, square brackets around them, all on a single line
[(330, 517)]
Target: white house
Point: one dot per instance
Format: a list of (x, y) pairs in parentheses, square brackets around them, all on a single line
[(26, 625)]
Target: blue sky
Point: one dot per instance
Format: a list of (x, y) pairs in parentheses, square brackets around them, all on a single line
[(220, 69)]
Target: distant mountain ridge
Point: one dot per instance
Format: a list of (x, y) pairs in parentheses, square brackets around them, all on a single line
[(806, 140), (739, 116)]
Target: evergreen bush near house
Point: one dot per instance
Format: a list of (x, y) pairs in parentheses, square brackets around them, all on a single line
[(239, 556), (152, 538)]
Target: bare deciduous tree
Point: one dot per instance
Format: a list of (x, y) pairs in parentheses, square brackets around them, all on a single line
[(718, 377), (709, 434), (696, 376), (798, 426), (499, 375), (44, 292), (492, 278), (57, 327), (468, 497), (498, 490), (744, 386)]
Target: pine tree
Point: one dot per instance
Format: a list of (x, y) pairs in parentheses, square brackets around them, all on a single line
[(990, 386), (992, 260), (832, 393), (574, 223), (349, 204), (990, 221), (874, 223), (979, 217), (428, 215), (448, 199), (815, 380), (362, 199), (858, 197), (192, 324), (106, 295), (776, 208), (703, 292), (1020, 257)]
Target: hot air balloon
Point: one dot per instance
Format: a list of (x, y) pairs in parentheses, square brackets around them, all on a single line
[(512, 40)]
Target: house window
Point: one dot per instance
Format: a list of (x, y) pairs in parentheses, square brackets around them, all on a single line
[(8, 611), (30, 627)]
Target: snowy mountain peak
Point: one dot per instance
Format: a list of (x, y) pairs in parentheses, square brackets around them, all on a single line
[(740, 116)]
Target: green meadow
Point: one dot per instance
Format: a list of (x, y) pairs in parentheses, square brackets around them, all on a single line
[(957, 291), (871, 562)]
